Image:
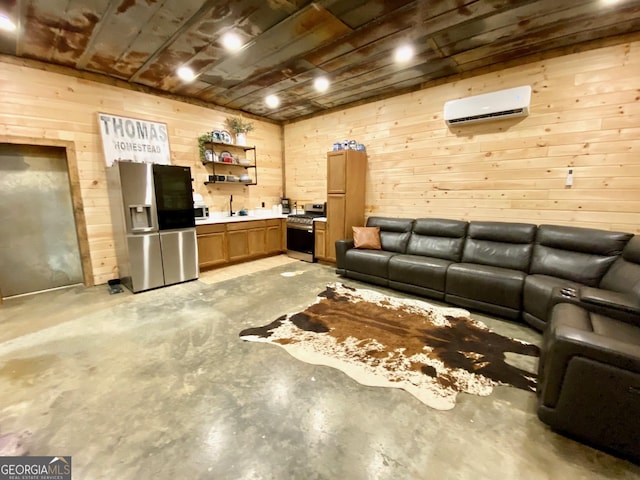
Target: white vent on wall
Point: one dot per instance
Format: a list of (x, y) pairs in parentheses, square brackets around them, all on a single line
[(513, 102)]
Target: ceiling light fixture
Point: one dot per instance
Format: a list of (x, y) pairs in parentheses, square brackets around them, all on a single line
[(186, 74), (6, 23), (272, 101), (231, 42), (321, 84), (403, 53), (609, 2)]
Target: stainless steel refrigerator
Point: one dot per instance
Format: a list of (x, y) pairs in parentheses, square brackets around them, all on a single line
[(153, 224)]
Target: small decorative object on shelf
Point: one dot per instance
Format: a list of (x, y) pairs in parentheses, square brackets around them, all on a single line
[(240, 127), (349, 145)]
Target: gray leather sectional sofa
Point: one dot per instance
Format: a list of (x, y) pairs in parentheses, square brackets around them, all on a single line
[(580, 286), (511, 270)]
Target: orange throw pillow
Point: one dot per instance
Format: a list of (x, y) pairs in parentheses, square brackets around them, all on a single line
[(367, 237)]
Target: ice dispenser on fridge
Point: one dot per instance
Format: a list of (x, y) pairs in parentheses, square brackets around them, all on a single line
[(140, 217)]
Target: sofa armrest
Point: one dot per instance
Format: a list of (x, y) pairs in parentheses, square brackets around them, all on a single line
[(599, 348), (570, 335), (610, 299), (341, 249), (617, 305), (621, 306)]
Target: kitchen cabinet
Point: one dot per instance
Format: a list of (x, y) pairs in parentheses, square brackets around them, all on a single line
[(336, 172), (257, 245), (238, 241), (220, 244), (246, 239), (273, 237), (212, 245), (320, 229), (346, 172)]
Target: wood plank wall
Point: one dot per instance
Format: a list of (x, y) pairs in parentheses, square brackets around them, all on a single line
[(49, 105), (585, 116)]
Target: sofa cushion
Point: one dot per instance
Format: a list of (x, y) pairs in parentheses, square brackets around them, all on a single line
[(615, 329), (439, 238), (499, 244), (624, 274), (394, 232), (631, 252), (586, 240), (486, 283), (427, 272), (371, 262), (367, 237), (581, 255)]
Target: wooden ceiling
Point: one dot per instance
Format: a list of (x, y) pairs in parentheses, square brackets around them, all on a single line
[(288, 43)]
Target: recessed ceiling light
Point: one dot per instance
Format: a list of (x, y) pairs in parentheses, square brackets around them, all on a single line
[(609, 2), (272, 101), (321, 84), (403, 53), (6, 23), (186, 74), (231, 41)]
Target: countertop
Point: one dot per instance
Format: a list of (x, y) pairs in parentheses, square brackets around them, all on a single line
[(238, 218), (246, 218)]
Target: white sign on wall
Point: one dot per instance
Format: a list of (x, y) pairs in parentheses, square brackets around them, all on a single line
[(132, 139)]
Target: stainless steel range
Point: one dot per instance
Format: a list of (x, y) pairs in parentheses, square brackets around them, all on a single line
[(300, 232)]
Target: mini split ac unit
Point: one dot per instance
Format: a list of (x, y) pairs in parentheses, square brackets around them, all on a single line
[(513, 102)]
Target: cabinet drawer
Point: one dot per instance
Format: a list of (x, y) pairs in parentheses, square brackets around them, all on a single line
[(234, 226), (273, 222), (215, 228)]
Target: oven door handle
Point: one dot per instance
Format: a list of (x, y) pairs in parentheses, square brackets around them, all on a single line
[(298, 226)]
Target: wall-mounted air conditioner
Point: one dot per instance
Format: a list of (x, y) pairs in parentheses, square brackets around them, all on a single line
[(513, 102)]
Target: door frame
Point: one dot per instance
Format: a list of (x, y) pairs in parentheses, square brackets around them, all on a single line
[(76, 195)]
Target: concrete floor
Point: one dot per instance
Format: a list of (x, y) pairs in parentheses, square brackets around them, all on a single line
[(158, 385)]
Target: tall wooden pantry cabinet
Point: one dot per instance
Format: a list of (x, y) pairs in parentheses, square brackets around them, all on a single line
[(346, 172)]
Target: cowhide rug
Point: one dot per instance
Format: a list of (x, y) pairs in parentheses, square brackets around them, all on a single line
[(431, 352)]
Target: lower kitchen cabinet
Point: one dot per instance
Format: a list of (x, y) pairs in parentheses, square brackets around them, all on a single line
[(274, 242), (212, 245), (238, 245), (256, 240), (336, 220), (320, 240), (224, 243)]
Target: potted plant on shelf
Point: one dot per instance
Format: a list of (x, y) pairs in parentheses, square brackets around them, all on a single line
[(202, 146), (240, 127)]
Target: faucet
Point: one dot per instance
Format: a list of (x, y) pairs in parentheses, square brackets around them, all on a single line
[(231, 205)]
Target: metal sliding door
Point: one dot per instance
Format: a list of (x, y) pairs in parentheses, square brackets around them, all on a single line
[(38, 240)]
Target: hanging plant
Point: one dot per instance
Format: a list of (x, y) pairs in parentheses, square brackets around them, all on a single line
[(202, 145), (238, 125)]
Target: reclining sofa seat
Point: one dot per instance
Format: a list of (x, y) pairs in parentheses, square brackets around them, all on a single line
[(373, 265), (589, 368), (589, 377), (495, 263), (434, 245), (567, 257)]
